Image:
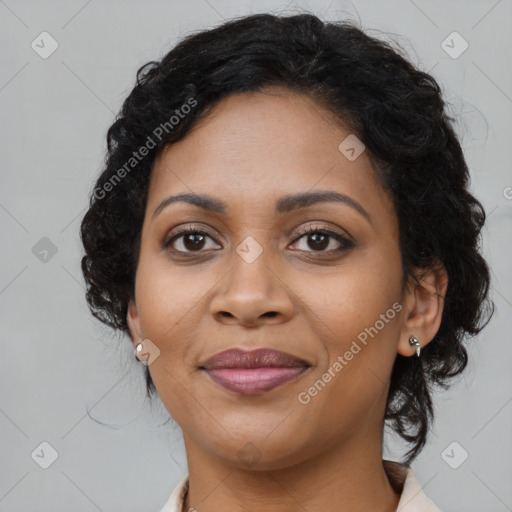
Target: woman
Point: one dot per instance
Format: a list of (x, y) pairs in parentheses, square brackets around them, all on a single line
[(284, 229)]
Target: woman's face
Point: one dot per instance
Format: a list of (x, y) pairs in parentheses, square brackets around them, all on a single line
[(258, 280)]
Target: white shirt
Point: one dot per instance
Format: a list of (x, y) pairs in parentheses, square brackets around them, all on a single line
[(412, 497)]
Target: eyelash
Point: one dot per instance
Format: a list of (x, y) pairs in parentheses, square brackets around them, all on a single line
[(345, 242)]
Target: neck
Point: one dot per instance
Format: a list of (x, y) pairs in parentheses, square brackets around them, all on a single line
[(347, 476)]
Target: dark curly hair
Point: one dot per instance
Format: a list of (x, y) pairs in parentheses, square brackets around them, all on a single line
[(393, 107)]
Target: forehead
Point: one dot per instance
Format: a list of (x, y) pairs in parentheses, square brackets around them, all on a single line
[(260, 146)]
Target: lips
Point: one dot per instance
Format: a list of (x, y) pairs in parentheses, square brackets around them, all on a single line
[(260, 358), (253, 372)]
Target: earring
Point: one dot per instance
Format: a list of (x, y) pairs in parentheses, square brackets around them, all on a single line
[(146, 352), (415, 342), (137, 350)]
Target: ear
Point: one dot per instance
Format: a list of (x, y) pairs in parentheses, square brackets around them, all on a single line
[(132, 318), (423, 311)]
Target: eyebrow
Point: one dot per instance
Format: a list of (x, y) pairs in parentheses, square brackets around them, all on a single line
[(284, 204)]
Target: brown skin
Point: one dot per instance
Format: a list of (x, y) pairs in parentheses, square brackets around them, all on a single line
[(325, 455)]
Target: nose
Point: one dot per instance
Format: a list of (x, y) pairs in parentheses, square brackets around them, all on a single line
[(252, 294)]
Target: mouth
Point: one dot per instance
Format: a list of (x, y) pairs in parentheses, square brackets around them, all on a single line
[(254, 381), (253, 372)]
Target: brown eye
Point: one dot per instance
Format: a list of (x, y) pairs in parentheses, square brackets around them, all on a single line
[(323, 240), (318, 241), (188, 240)]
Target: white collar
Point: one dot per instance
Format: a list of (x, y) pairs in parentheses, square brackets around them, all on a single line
[(412, 498)]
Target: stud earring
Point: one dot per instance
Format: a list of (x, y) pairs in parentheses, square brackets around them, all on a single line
[(146, 352), (137, 351), (415, 342)]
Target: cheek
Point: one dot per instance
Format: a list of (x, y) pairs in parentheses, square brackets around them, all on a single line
[(352, 298), (356, 313), (167, 304)]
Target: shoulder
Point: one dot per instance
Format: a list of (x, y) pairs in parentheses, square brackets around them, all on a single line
[(405, 482), (177, 497)]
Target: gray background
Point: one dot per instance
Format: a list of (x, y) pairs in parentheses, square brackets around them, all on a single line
[(70, 382)]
